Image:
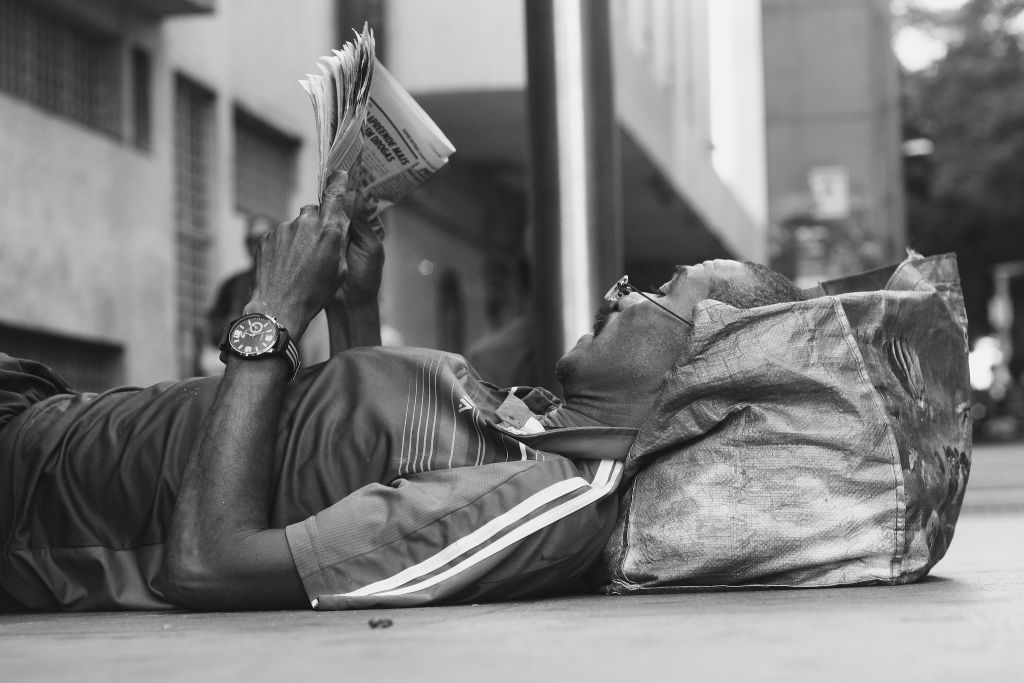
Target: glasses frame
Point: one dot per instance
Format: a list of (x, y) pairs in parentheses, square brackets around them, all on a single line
[(622, 287)]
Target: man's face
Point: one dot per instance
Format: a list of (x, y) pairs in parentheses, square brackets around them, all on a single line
[(634, 342)]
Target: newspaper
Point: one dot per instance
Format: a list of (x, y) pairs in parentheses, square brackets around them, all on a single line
[(370, 126)]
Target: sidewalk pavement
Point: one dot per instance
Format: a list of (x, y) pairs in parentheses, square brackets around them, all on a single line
[(964, 623)]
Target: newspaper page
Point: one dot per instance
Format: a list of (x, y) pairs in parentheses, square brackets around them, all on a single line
[(339, 94), (404, 146), (370, 126)]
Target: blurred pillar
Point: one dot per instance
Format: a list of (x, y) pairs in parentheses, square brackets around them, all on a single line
[(574, 145)]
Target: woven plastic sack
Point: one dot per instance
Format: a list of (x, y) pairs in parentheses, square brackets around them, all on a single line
[(818, 443)]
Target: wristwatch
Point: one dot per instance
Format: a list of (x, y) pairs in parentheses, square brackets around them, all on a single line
[(258, 335)]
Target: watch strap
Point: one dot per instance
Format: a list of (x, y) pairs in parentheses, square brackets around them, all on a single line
[(291, 354)]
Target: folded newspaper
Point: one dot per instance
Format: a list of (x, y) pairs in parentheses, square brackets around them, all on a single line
[(370, 126)]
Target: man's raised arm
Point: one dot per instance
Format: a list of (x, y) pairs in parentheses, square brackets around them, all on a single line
[(221, 555)]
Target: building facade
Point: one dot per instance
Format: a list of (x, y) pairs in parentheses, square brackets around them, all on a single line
[(140, 138), (833, 137)]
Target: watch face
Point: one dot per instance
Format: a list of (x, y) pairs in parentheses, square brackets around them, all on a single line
[(253, 335)]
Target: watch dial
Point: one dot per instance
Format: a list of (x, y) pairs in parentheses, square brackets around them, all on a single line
[(253, 336)]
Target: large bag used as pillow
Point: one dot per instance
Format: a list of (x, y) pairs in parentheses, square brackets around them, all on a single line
[(818, 443)]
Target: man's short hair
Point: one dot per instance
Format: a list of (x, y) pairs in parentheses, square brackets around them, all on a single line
[(763, 288)]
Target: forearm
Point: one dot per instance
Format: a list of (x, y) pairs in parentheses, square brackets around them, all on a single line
[(219, 552), (220, 523), (233, 449), (351, 326)]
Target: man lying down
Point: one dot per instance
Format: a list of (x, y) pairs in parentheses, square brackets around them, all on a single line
[(383, 477)]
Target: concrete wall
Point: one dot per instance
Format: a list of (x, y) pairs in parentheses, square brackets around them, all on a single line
[(663, 93), (737, 103), (457, 45), (84, 242)]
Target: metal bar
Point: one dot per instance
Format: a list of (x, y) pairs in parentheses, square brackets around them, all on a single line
[(575, 198)]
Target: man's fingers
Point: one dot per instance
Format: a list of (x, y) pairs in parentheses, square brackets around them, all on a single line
[(332, 203), (367, 235)]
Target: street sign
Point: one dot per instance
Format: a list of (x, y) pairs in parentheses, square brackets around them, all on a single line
[(830, 190)]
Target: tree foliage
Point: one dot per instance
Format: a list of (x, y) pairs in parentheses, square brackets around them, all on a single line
[(968, 195)]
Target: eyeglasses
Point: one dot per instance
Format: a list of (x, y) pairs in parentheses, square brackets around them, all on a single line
[(622, 288)]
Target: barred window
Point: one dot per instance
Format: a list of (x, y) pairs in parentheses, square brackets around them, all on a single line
[(84, 365), (60, 66), (193, 148), (265, 162)]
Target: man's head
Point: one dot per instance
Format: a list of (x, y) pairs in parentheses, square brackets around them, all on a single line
[(760, 287), (635, 342)]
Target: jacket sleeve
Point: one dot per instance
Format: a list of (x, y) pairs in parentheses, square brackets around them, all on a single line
[(24, 383), (494, 532)]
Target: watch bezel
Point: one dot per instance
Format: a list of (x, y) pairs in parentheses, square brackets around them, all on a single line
[(274, 347)]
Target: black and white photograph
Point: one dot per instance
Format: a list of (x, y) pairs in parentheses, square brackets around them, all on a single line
[(512, 340)]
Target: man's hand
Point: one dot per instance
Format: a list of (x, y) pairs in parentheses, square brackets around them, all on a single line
[(364, 255), (353, 316), (299, 266)]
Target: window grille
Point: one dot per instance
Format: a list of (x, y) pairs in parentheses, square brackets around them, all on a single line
[(193, 148), (265, 175), (84, 365), (60, 66)]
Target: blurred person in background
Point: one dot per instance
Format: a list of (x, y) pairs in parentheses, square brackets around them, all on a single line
[(234, 292)]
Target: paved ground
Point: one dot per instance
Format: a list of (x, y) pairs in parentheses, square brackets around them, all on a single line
[(966, 623)]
